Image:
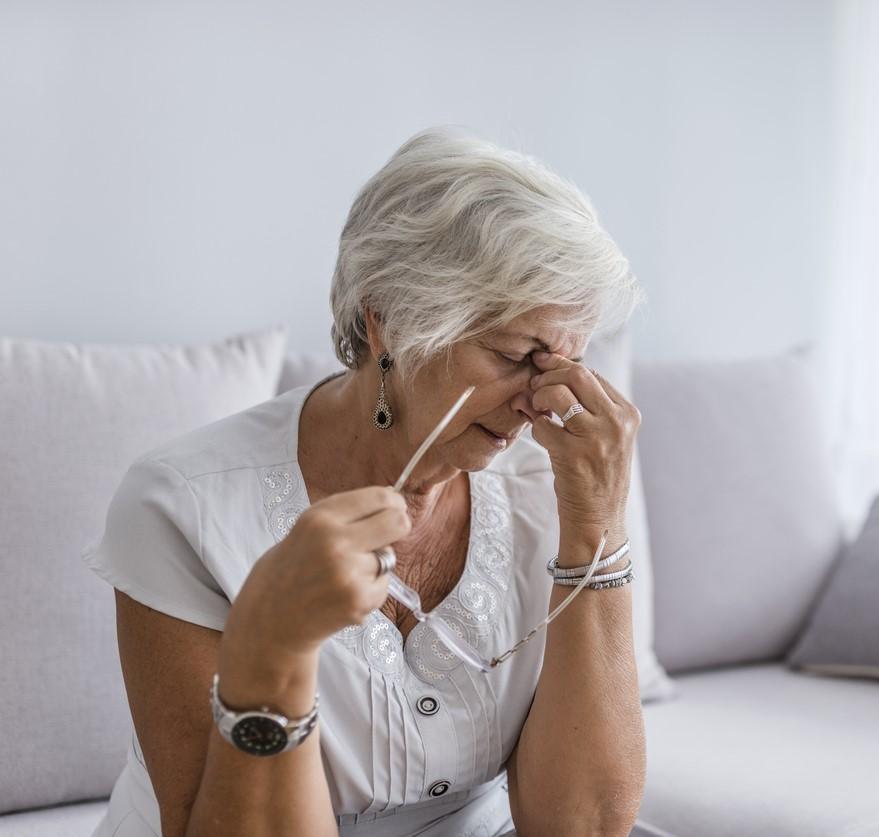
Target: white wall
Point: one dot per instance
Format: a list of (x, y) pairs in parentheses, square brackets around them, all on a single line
[(179, 171)]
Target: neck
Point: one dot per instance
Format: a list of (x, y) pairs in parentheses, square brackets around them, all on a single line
[(337, 417)]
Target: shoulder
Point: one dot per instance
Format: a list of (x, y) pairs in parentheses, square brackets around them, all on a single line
[(256, 437)]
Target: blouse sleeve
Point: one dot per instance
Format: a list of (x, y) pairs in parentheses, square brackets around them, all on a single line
[(151, 546)]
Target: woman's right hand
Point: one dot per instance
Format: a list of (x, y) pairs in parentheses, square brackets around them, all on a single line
[(320, 578)]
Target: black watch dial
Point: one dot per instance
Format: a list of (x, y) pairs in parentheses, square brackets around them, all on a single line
[(259, 736)]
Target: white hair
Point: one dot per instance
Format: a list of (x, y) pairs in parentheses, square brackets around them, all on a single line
[(455, 236)]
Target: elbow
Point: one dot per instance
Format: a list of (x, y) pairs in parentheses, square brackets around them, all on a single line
[(605, 818), (566, 810), (619, 821), (613, 824)]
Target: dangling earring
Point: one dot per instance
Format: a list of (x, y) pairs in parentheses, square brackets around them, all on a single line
[(382, 416)]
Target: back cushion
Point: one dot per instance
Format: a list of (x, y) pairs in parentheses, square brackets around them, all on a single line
[(73, 417), (611, 356), (744, 518)]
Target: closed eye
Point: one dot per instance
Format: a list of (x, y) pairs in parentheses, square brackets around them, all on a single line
[(513, 360)]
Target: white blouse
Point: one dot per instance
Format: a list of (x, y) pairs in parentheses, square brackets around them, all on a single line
[(412, 739)]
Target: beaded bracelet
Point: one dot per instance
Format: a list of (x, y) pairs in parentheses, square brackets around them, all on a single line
[(608, 576)]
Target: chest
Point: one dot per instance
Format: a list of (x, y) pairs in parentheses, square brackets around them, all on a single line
[(432, 565)]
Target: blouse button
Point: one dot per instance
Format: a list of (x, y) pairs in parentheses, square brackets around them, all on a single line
[(439, 788), (427, 705)]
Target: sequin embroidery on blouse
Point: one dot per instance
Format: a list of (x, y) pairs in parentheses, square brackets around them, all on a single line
[(473, 606), (471, 609), (284, 498)]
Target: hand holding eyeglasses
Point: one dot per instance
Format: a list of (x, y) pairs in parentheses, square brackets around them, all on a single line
[(319, 579)]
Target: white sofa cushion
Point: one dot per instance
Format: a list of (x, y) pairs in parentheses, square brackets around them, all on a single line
[(762, 750), (73, 417), (611, 356), (78, 820), (744, 519)]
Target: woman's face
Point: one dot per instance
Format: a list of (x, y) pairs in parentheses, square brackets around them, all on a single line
[(499, 365)]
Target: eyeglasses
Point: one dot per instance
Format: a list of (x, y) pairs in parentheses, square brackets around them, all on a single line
[(410, 598)]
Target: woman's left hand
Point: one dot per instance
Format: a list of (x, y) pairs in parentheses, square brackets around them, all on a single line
[(591, 454)]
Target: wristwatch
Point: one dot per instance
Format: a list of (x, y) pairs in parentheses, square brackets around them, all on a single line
[(261, 732)]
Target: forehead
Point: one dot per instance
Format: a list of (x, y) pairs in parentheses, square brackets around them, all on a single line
[(543, 326)]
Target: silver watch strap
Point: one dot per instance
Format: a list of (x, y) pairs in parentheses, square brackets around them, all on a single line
[(297, 729)]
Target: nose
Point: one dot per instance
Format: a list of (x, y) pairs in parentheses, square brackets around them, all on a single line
[(521, 402)]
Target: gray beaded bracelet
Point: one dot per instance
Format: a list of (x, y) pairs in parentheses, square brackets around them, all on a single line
[(608, 576)]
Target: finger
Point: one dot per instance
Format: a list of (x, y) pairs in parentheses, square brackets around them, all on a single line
[(559, 399), (586, 386), (550, 360), (616, 396), (352, 505), (380, 589), (548, 434), (380, 529), (375, 586)]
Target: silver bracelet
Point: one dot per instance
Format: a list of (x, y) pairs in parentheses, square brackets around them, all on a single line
[(605, 577), (608, 576), (592, 585), (556, 571)]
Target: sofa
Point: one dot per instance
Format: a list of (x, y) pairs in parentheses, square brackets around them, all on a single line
[(736, 535)]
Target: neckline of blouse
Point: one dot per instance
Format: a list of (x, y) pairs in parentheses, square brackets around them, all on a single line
[(473, 604)]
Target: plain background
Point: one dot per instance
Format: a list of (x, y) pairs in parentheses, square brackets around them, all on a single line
[(181, 171)]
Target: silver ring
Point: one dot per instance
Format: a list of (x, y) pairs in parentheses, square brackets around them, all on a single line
[(387, 560), (575, 408)]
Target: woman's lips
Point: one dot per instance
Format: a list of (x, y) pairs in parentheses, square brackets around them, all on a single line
[(498, 439)]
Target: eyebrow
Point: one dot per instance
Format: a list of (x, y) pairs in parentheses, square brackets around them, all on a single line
[(540, 343)]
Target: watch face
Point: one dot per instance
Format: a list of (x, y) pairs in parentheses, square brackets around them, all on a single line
[(259, 736)]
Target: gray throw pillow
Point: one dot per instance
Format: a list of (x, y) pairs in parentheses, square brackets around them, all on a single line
[(743, 517), (841, 635)]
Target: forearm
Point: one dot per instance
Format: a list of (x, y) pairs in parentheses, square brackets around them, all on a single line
[(263, 796), (580, 763)]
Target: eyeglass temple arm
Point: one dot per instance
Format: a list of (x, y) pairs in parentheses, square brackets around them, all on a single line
[(583, 582)]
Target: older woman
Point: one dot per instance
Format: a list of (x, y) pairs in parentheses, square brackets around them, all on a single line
[(248, 561)]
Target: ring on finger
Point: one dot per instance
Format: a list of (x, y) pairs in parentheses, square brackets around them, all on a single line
[(575, 408), (387, 560)]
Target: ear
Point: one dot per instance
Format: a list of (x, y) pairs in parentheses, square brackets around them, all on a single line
[(373, 331)]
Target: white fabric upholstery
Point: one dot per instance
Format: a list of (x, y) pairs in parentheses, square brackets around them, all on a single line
[(61, 821), (738, 479), (761, 750)]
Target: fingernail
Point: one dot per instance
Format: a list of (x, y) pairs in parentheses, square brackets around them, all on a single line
[(534, 380)]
